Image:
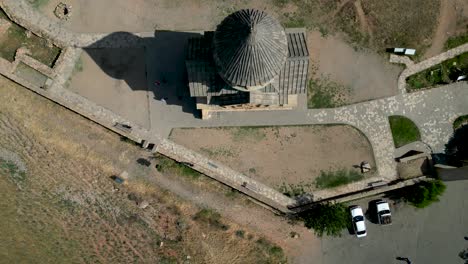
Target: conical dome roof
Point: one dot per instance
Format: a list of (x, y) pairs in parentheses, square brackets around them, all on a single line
[(250, 49)]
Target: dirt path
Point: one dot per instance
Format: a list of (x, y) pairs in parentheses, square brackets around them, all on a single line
[(365, 27), (339, 7), (447, 24)]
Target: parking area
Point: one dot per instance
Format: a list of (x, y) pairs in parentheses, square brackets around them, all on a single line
[(431, 235)]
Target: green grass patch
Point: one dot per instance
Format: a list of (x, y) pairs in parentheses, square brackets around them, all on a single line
[(326, 219), (9, 168), (456, 41), (404, 131), (167, 165), (292, 20), (210, 217), (460, 121), (216, 152), (247, 133), (444, 73), (78, 66), (324, 93), (16, 38), (331, 179)]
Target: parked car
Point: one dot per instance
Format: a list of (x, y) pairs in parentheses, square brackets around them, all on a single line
[(384, 216), (359, 225)]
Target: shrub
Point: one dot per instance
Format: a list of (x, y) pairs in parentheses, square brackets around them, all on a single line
[(167, 165), (423, 194), (210, 217), (240, 233), (329, 219)]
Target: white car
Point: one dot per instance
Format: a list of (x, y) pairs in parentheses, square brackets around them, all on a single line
[(358, 219)]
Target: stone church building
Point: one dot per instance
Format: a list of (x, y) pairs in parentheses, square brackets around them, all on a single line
[(249, 63)]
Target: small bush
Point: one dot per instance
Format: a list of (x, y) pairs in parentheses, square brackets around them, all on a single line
[(240, 233), (333, 179), (329, 219), (404, 131), (275, 253), (210, 217), (293, 190), (422, 194), (167, 165)]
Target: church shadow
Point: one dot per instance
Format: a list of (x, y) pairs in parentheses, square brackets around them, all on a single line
[(153, 63)]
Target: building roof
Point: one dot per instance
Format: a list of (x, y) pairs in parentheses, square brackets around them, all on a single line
[(204, 79), (250, 48)]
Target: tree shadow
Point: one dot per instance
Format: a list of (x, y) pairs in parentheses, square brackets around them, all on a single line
[(155, 63), (457, 146)]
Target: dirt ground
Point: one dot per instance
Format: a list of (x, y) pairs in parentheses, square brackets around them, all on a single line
[(452, 21), (58, 203), (334, 54), (277, 155), (366, 74), (115, 79)]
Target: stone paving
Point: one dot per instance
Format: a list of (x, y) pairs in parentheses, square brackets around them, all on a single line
[(433, 110)]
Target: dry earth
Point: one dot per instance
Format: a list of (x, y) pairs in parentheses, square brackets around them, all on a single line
[(366, 72), (277, 155), (452, 21)]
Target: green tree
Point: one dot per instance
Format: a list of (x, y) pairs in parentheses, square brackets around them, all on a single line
[(425, 193), (329, 219)]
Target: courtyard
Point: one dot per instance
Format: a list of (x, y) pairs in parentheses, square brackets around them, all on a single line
[(283, 157)]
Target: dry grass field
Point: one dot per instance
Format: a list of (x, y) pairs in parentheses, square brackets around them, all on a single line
[(58, 203)]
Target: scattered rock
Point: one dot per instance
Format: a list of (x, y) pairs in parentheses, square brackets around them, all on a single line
[(143, 204), (28, 33), (189, 257), (124, 175)]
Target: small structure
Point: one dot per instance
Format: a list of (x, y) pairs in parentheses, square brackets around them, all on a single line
[(249, 62), (365, 166), (63, 11), (404, 51)]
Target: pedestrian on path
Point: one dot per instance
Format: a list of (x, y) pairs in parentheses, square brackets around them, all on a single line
[(407, 260)]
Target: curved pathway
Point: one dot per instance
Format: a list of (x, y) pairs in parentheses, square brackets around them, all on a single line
[(432, 110)]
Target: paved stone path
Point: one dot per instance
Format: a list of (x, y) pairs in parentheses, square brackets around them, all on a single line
[(432, 110)]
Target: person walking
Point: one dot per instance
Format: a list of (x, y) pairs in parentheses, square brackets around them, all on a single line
[(407, 260)]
